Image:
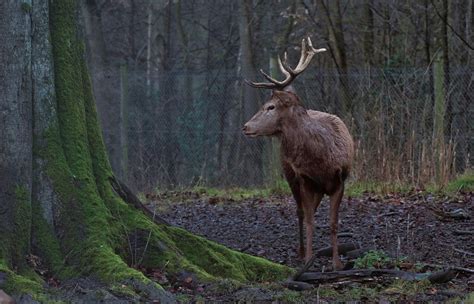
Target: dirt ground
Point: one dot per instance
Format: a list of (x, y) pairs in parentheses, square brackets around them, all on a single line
[(415, 229)]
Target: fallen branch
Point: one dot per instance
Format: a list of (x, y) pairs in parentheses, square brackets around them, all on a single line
[(298, 286), (357, 253), (457, 268), (463, 251), (463, 232), (342, 249), (370, 274), (130, 198), (325, 252)]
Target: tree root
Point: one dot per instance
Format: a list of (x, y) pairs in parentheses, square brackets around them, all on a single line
[(127, 195)]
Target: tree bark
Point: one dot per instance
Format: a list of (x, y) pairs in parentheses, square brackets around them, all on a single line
[(16, 144)]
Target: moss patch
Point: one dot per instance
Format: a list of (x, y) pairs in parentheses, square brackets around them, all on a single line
[(14, 283), (22, 227)]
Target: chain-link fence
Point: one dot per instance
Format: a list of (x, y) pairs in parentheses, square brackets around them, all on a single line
[(184, 129)]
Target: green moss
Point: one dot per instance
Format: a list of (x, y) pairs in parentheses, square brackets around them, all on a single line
[(20, 238), (47, 245), (20, 284), (218, 261)]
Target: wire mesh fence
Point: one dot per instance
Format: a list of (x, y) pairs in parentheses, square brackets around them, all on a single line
[(184, 129)]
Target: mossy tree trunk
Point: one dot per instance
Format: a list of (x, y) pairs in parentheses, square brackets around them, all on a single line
[(56, 201)]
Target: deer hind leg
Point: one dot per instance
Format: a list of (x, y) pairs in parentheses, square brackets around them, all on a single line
[(335, 199)]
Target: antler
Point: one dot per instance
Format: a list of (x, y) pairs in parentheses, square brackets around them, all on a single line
[(290, 74)]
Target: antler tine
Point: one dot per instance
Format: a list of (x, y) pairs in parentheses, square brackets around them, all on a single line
[(303, 64), (310, 44), (282, 68), (303, 53), (268, 77), (305, 59), (263, 85)]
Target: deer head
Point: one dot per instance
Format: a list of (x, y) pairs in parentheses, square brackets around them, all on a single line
[(283, 103)]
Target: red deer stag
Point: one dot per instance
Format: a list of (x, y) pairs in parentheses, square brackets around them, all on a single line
[(316, 149)]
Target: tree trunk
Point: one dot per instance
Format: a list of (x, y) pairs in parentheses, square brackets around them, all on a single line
[(368, 32), (105, 78), (250, 152), (445, 52), (56, 198), (333, 18)]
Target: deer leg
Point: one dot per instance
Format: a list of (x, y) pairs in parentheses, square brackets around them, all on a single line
[(335, 199), (300, 214), (310, 201), (295, 190)]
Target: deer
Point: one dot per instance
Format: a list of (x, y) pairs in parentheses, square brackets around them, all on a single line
[(316, 149)]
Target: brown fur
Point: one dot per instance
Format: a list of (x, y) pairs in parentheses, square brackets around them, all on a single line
[(316, 155)]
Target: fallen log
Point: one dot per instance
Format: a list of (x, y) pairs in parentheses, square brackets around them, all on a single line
[(463, 232), (442, 276), (298, 286), (370, 274), (130, 198), (357, 253), (342, 249)]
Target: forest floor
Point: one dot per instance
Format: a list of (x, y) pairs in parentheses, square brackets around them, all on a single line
[(411, 231)]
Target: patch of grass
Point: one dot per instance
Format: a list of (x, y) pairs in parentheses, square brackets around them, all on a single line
[(402, 287), (469, 298), (372, 259), (290, 296), (464, 182), (235, 193), (359, 188)]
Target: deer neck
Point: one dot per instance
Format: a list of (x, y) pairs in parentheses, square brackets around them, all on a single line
[(295, 131)]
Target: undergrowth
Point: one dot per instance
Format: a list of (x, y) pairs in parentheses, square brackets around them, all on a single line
[(463, 183)]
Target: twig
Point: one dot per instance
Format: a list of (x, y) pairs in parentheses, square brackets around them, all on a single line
[(305, 267), (463, 251), (461, 269), (345, 234)]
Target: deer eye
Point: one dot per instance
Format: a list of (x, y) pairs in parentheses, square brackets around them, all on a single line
[(271, 107)]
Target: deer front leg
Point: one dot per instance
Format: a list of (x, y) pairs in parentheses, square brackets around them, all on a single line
[(310, 201), (294, 184), (300, 214), (334, 222)]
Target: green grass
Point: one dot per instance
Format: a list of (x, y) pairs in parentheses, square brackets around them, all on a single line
[(359, 188), (464, 182)]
